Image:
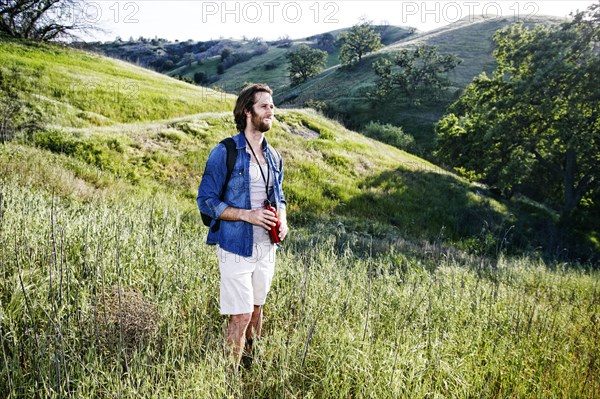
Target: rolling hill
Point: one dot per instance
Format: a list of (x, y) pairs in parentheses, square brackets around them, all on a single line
[(134, 145), (74, 88)]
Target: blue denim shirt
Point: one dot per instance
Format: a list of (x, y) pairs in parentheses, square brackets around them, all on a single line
[(234, 236)]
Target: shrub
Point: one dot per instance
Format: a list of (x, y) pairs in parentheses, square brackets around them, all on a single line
[(200, 77), (262, 48), (125, 314), (56, 141), (100, 153), (317, 105), (236, 58), (390, 134), (186, 79), (283, 42)]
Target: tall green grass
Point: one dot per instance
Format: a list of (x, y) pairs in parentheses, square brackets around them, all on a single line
[(338, 323)]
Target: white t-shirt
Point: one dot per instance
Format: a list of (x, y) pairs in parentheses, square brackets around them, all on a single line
[(258, 195)]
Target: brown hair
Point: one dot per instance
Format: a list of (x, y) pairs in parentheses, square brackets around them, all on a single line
[(245, 102)]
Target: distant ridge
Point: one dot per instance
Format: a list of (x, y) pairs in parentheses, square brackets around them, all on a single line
[(343, 90)]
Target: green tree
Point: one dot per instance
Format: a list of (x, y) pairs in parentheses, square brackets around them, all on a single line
[(226, 53), (533, 126), (326, 42), (359, 41), (305, 63), (200, 77), (413, 74)]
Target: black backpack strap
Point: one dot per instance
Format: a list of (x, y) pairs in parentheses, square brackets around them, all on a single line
[(231, 158), (231, 147)]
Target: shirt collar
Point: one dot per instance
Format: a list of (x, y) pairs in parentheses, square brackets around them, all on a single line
[(240, 140)]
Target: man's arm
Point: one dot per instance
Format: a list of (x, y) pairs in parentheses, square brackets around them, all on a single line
[(260, 217), (213, 178)]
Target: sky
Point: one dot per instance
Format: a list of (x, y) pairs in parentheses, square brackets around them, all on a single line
[(202, 20)]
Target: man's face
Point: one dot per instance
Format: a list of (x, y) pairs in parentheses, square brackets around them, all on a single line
[(261, 117)]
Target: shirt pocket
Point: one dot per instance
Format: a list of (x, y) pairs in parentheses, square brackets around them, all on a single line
[(236, 181)]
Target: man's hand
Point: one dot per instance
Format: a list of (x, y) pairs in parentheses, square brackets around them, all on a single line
[(283, 228), (260, 217)]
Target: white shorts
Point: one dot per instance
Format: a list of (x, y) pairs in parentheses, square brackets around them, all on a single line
[(245, 282)]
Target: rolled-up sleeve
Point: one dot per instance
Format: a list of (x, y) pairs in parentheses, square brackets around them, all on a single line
[(212, 182), (280, 181)]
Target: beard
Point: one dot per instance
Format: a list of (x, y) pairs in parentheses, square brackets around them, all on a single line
[(259, 123)]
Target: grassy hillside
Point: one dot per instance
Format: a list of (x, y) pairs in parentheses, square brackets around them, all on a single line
[(332, 174), (344, 90), (337, 175), (78, 89), (397, 279), (270, 68)]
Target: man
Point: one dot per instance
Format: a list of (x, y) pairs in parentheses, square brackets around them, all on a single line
[(245, 251)]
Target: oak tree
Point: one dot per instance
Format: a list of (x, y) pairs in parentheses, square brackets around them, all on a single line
[(360, 40), (534, 127), (413, 75), (305, 63), (45, 20)]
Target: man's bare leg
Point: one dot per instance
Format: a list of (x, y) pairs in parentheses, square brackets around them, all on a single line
[(252, 333), (255, 326), (236, 335)]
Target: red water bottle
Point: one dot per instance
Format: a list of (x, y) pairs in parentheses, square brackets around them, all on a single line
[(274, 232)]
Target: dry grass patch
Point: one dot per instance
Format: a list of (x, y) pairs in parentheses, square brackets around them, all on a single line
[(124, 315)]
